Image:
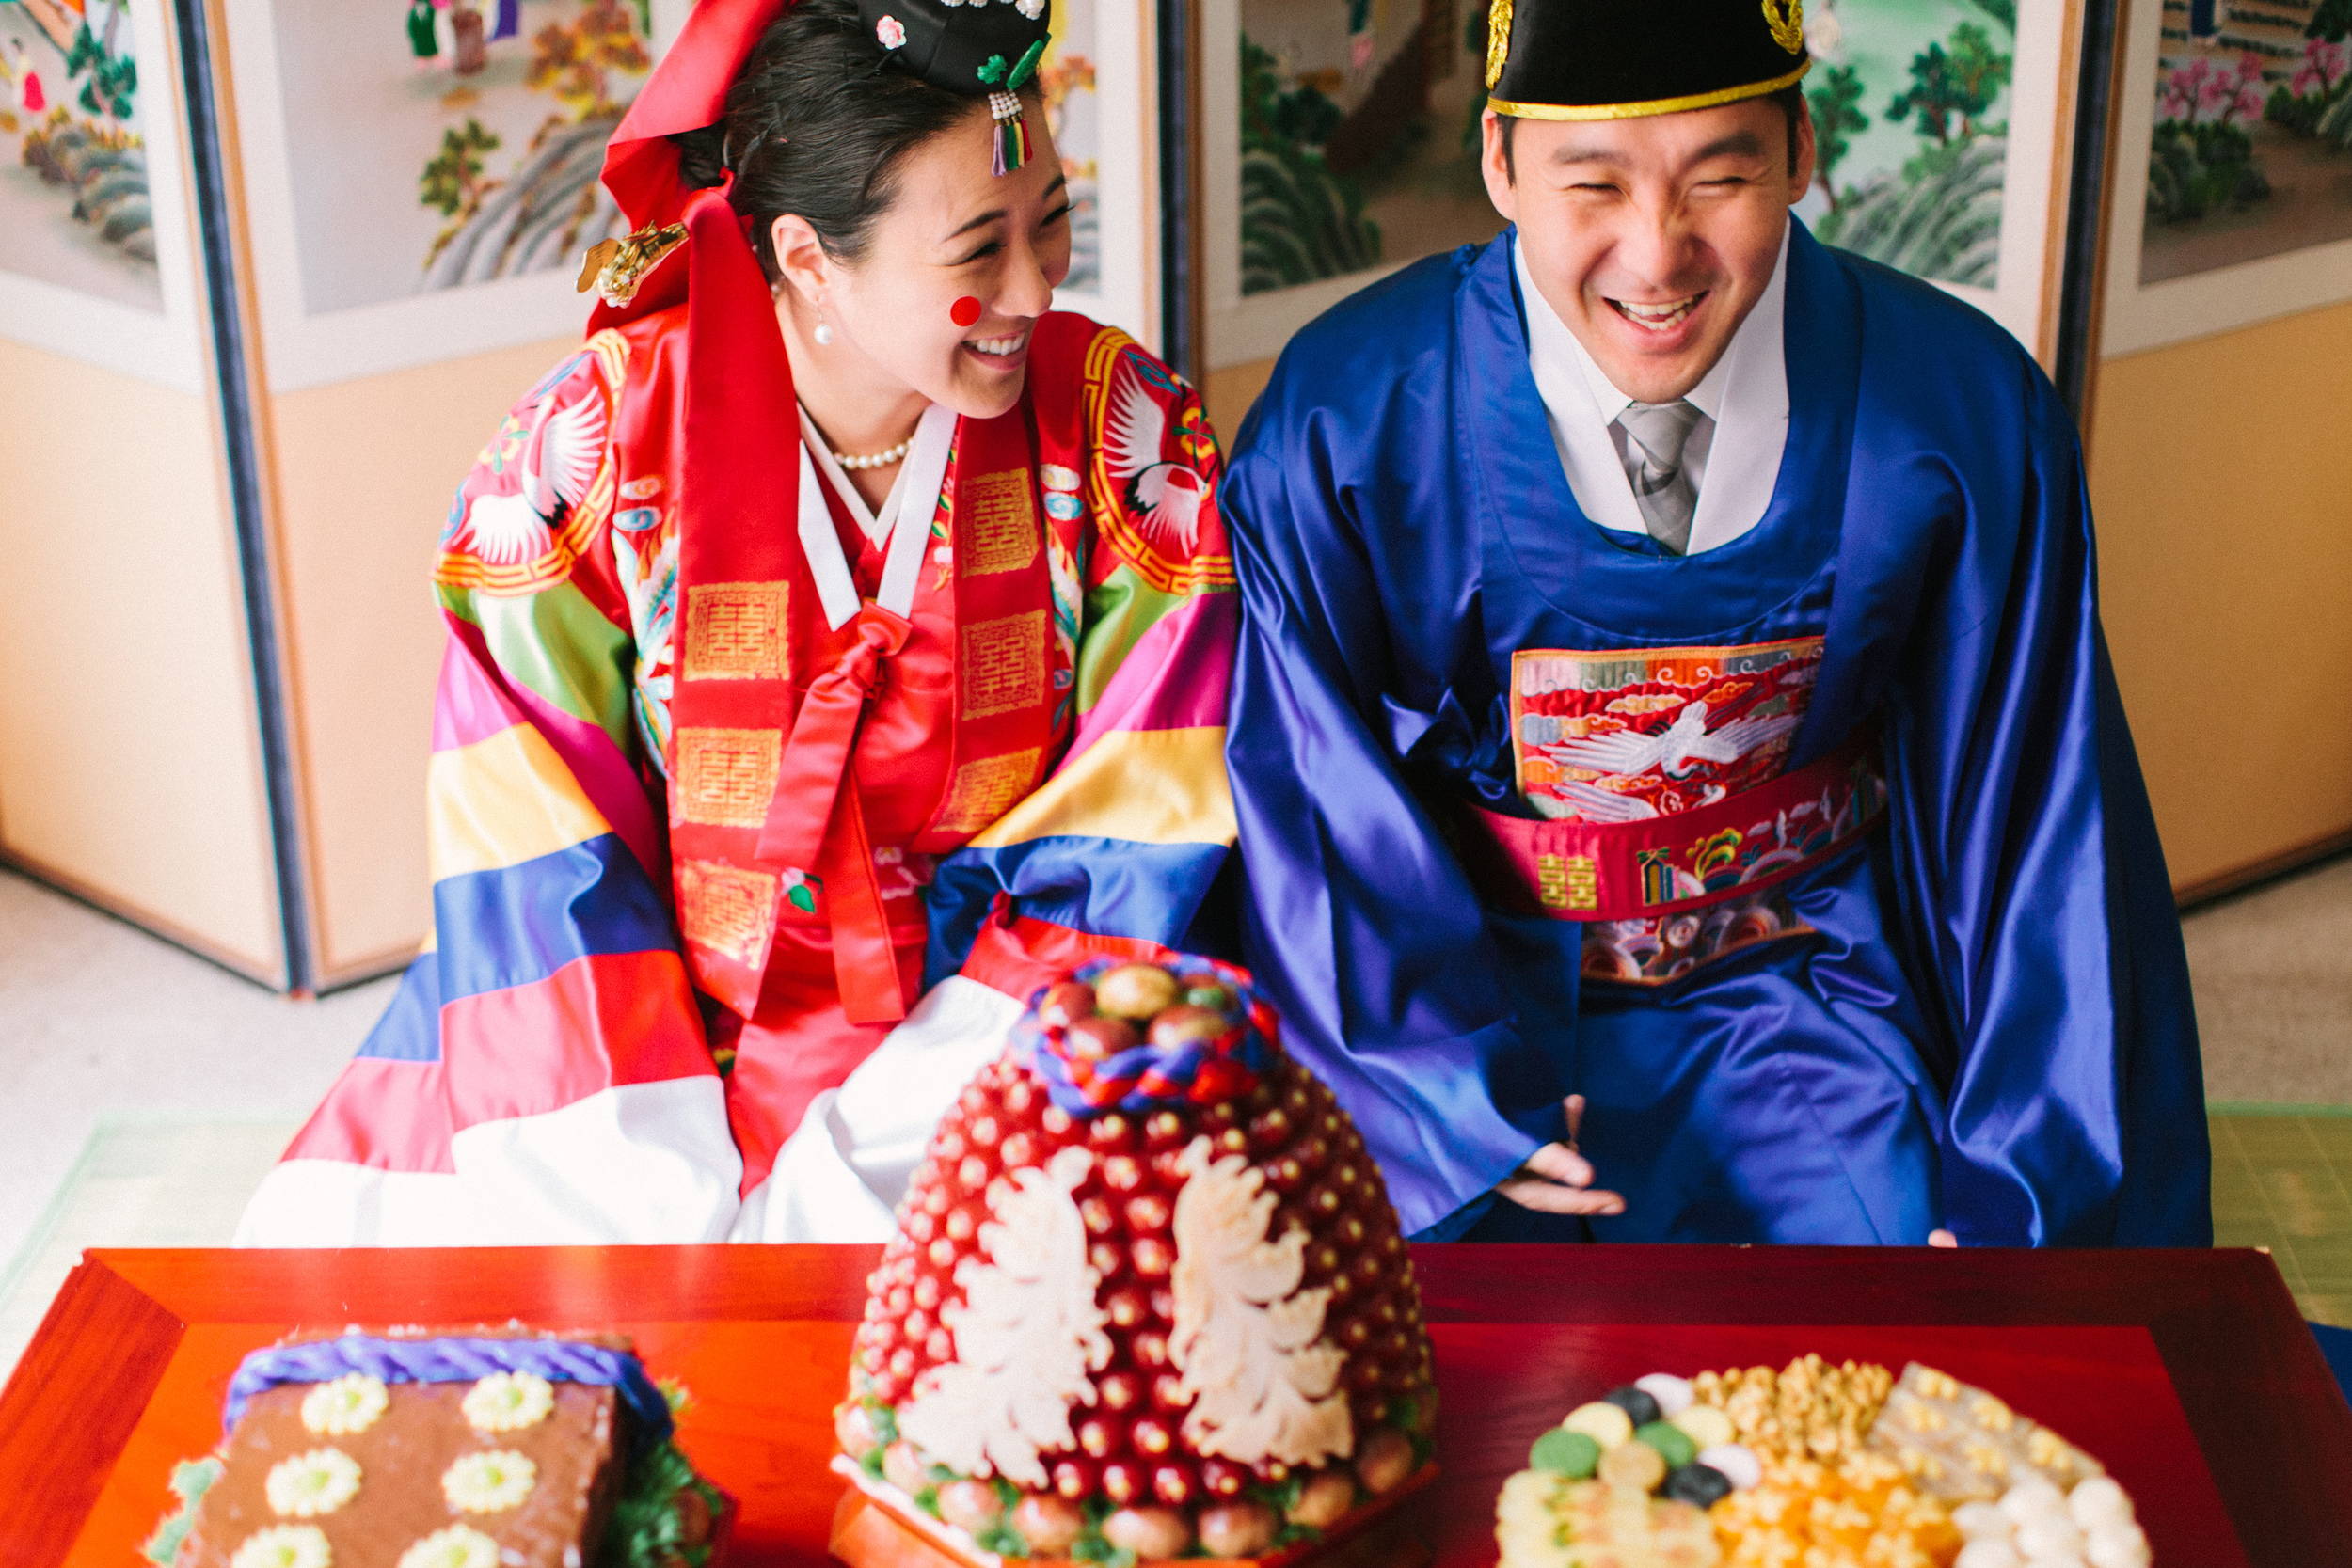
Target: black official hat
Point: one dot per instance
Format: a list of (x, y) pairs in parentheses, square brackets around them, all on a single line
[(1621, 59), (976, 47)]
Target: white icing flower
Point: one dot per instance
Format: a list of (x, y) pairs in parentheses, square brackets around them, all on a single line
[(508, 1402), (312, 1484), (488, 1483), (1026, 1335), (455, 1547), (287, 1546), (351, 1403)]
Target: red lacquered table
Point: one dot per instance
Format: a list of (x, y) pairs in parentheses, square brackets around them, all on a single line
[(2188, 1373)]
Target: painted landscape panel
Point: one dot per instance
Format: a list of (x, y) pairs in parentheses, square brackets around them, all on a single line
[(2251, 152), (455, 142), (1072, 107), (1358, 135), (74, 205), (1910, 104)]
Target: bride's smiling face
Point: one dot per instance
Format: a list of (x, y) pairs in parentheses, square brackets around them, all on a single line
[(951, 231)]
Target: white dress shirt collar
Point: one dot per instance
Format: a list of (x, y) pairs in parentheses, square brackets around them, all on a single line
[(1734, 456)]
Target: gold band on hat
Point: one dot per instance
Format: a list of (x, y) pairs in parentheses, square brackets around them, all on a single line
[(1649, 107)]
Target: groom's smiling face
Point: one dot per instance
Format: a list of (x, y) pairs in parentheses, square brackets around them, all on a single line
[(1652, 237)]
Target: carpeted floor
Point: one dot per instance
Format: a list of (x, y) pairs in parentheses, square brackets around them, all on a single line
[(143, 1091), (99, 1020), (2273, 968)]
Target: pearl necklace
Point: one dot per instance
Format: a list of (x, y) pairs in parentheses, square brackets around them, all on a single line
[(882, 459)]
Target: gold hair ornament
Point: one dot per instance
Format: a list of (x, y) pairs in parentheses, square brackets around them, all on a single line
[(615, 267), (1498, 41), (1787, 24)]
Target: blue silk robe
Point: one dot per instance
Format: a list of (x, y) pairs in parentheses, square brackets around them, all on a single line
[(1985, 1023)]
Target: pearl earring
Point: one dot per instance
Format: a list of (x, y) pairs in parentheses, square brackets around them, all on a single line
[(823, 333)]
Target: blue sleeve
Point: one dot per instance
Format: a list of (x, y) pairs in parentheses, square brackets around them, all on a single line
[(2033, 888), (1358, 920)]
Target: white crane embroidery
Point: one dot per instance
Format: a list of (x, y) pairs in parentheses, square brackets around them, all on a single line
[(1166, 495), (557, 463), (1673, 750)]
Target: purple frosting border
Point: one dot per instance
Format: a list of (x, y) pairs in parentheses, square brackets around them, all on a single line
[(456, 1360)]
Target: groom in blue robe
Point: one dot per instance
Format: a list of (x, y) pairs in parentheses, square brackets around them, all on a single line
[(1682, 788)]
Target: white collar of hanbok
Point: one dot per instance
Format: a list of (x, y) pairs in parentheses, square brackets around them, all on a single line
[(901, 526), (1745, 395)]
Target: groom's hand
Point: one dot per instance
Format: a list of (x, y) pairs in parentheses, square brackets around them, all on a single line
[(1557, 1180)]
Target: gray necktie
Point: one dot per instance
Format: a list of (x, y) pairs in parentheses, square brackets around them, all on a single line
[(1661, 485)]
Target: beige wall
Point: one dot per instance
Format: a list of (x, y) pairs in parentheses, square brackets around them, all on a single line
[(364, 473), (130, 763), (2222, 479), (130, 767), (1228, 394)]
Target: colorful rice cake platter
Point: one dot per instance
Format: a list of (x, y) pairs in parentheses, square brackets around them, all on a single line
[(1813, 1465), (495, 1448), (1148, 1301)]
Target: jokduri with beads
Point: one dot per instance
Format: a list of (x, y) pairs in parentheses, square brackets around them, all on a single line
[(1147, 1300)]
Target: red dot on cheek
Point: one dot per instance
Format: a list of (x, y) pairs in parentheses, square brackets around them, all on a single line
[(964, 313)]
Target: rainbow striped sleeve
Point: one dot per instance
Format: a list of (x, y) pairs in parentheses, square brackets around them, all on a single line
[(553, 996), (1128, 835)]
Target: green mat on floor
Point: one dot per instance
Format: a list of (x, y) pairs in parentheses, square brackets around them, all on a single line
[(141, 1182), (2283, 1179)]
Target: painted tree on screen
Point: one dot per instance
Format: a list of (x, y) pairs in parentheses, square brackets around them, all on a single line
[(1951, 86), (453, 181), (1837, 118)]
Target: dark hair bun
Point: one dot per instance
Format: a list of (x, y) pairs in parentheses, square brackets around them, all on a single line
[(818, 121)]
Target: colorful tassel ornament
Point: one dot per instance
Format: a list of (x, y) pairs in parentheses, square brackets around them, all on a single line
[(1013, 131)]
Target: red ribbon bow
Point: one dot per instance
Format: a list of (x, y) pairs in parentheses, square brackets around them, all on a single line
[(815, 820)]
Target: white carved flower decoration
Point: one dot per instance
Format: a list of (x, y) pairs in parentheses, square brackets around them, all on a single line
[(457, 1547), (1027, 1336), (1246, 1342)]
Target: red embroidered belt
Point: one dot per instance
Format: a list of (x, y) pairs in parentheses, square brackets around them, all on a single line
[(1591, 871)]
